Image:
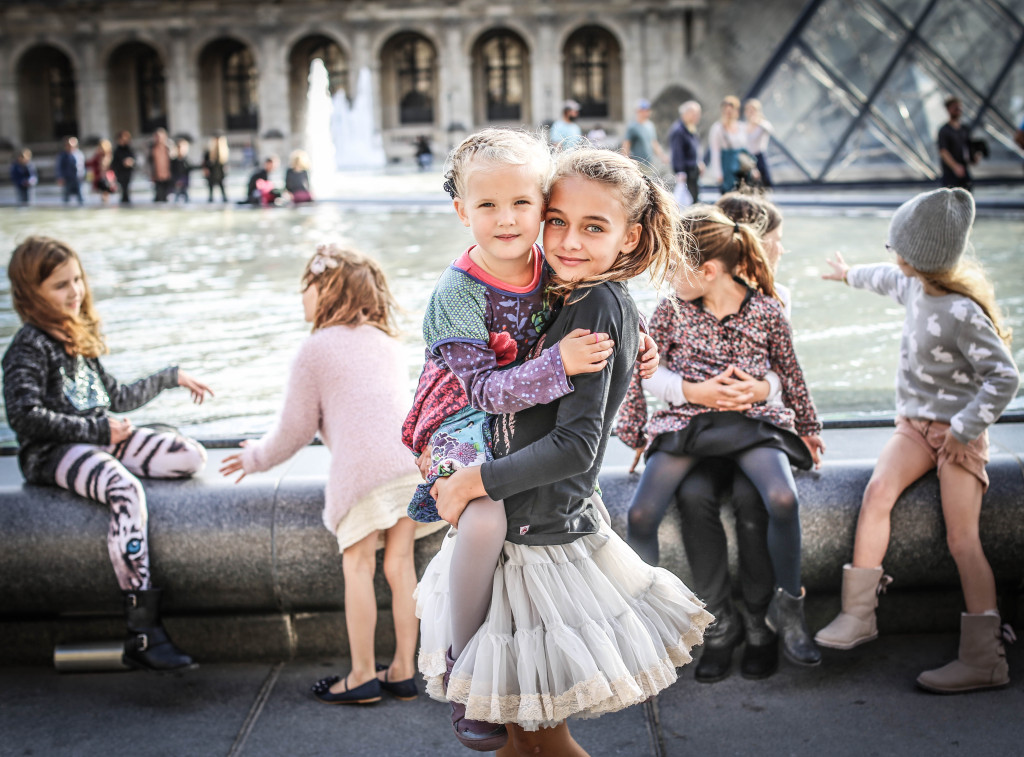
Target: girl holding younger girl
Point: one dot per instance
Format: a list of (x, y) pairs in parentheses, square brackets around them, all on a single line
[(577, 624), (723, 321), (358, 414), (487, 310), (59, 401), (956, 377)]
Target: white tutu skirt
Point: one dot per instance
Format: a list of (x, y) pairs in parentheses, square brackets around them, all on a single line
[(576, 629)]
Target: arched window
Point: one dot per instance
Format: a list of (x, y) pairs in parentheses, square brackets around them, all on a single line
[(303, 53), (414, 63), (151, 88), (592, 72), (501, 60), (241, 90), (48, 103)]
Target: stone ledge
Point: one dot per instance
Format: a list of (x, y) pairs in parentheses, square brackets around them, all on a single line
[(249, 571)]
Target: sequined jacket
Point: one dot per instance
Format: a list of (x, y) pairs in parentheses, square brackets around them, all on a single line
[(54, 399)]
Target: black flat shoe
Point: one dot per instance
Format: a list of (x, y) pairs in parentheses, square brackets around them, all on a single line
[(405, 690), (368, 693)]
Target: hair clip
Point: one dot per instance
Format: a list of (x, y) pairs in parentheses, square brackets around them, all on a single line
[(321, 263), (449, 186), (735, 227)]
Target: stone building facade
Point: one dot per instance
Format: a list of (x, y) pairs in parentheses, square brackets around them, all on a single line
[(441, 68)]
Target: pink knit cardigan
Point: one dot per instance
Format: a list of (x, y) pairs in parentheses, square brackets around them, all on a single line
[(351, 385)]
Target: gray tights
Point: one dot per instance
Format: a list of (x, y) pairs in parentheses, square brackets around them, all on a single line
[(481, 536)]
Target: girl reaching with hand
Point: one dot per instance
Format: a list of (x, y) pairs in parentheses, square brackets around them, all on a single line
[(59, 401)]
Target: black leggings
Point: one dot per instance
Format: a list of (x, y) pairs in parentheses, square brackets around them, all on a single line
[(768, 470), (700, 498)]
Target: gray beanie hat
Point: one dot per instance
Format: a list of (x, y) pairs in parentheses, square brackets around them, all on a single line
[(930, 230)]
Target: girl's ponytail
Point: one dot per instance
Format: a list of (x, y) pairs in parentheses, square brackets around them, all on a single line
[(737, 245), (754, 265)]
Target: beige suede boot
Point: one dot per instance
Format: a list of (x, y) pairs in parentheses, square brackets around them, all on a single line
[(981, 663), (856, 623)]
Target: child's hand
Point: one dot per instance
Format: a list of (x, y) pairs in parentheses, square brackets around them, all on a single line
[(232, 464), (732, 389), (955, 450), (816, 447), (648, 356), (423, 461), (120, 429), (585, 352), (453, 493), (839, 269), (196, 388)]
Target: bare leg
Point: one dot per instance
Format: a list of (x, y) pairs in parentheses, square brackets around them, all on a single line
[(961, 509), (482, 529), (400, 571), (900, 464), (547, 742), (359, 563)]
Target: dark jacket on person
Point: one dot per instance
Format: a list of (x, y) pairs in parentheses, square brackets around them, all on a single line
[(684, 146), (547, 457), (54, 399), (122, 170)]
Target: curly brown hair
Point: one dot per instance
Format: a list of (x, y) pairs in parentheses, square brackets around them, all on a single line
[(351, 290), (32, 263)]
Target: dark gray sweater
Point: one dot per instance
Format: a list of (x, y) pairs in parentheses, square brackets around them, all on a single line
[(54, 399), (548, 456)]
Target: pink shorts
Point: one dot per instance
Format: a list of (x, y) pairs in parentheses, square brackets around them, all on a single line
[(930, 435)]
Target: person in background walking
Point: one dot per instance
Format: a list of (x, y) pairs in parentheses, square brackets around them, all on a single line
[(103, 179), (424, 155), (565, 133), (123, 164), (181, 169), (160, 166), (759, 134), (23, 175), (955, 148), (71, 170), (684, 146), (641, 140), (215, 165)]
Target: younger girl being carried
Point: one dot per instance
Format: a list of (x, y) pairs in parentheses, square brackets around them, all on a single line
[(487, 310), (578, 624), (956, 377), (721, 322), (59, 399), (358, 414)]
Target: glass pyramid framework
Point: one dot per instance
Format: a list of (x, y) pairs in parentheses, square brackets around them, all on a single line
[(855, 93)]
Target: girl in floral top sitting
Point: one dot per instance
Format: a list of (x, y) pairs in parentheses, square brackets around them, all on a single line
[(723, 321)]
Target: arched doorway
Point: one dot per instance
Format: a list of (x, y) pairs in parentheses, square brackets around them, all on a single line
[(137, 89), (409, 81), (592, 63), (501, 75), (229, 87), (46, 94), (305, 51)]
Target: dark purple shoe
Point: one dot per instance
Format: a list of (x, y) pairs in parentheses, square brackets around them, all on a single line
[(478, 735)]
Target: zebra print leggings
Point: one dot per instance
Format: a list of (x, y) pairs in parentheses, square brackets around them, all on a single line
[(108, 475)]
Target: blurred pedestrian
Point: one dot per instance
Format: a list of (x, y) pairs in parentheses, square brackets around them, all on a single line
[(180, 170), (955, 148), (99, 164), (23, 175), (641, 140), (684, 146), (759, 134), (123, 164), (565, 133), (71, 170), (160, 165), (215, 165), (296, 178), (424, 155)]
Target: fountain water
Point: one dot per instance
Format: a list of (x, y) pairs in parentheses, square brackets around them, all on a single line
[(357, 141), (319, 143)]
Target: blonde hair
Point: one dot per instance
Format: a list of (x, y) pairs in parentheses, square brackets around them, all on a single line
[(298, 160), (497, 147), (218, 149), (969, 279), (661, 250), (32, 263), (731, 100), (737, 245), (351, 290)]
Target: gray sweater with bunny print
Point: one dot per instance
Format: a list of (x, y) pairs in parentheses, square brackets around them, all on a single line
[(953, 368)]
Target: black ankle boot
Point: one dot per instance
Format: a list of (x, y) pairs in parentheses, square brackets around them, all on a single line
[(148, 645), (786, 618), (761, 655), (719, 642)]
